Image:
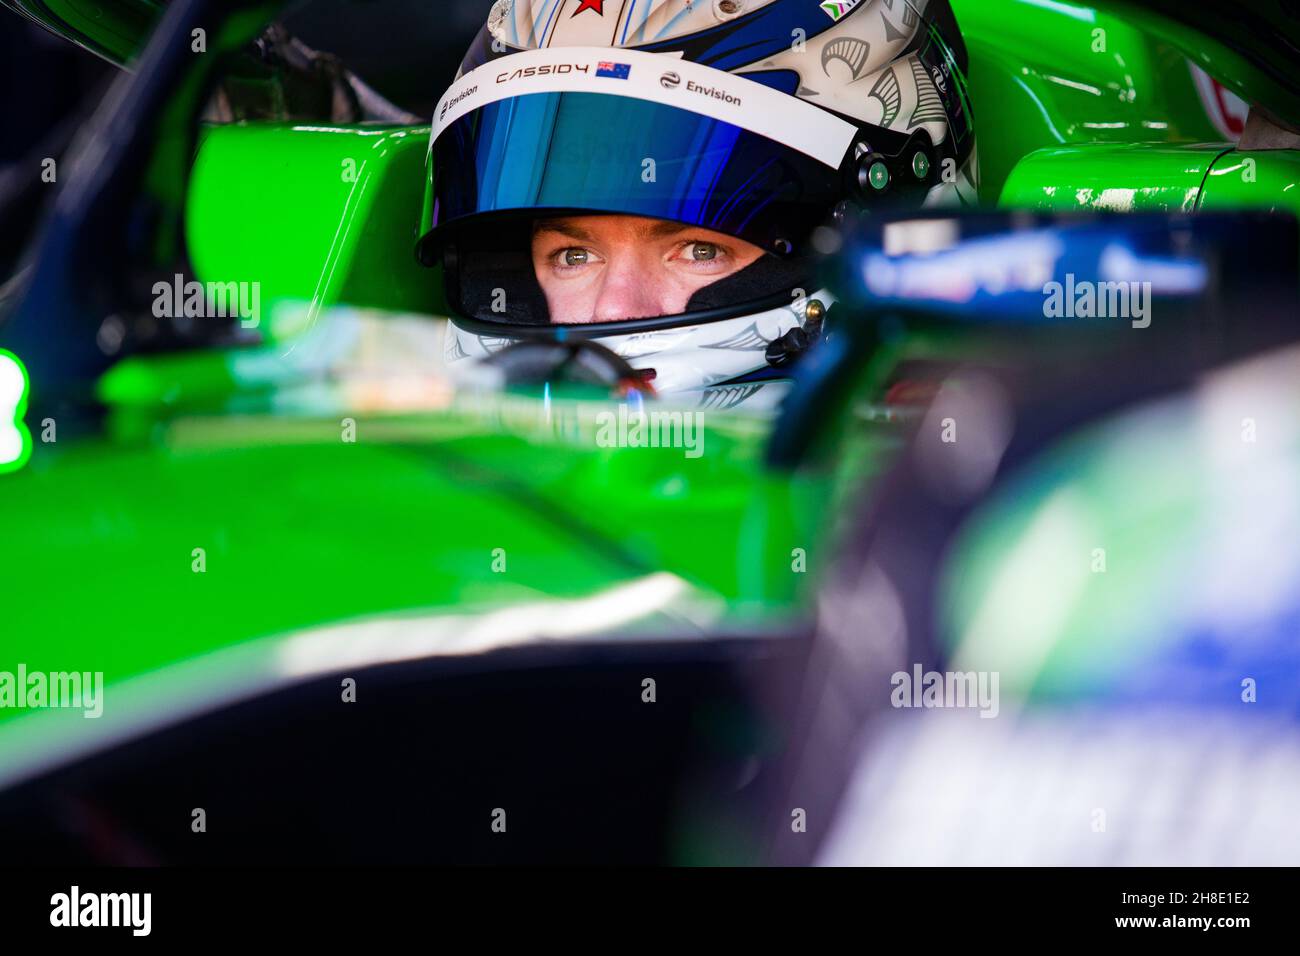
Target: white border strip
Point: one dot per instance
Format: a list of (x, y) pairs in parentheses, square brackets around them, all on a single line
[(658, 78)]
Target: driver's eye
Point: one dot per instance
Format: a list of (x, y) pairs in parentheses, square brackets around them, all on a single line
[(704, 251), (576, 257)]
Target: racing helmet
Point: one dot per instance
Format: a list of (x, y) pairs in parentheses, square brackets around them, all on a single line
[(764, 120)]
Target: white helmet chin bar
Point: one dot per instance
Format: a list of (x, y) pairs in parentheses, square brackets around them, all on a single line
[(683, 358)]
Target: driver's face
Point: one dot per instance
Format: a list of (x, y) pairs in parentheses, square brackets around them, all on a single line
[(606, 268)]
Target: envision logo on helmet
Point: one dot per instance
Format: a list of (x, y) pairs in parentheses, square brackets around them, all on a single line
[(717, 94), (456, 99), (670, 80)]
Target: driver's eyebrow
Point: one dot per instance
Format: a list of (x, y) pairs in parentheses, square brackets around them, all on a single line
[(563, 227), (663, 228), (651, 229)]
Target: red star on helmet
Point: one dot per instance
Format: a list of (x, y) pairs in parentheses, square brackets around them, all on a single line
[(597, 5)]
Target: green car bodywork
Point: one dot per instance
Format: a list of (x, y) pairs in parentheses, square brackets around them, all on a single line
[(223, 509)]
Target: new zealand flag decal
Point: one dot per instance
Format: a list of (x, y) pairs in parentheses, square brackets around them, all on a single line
[(615, 71)]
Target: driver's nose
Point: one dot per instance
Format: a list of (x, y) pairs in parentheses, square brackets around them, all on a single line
[(628, 289)]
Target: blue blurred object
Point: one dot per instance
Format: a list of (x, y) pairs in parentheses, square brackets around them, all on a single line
[(1079, 271)]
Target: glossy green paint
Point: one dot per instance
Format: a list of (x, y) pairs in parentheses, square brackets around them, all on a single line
[(1046, 74), (1125, 177), (299, 529), (321, 214), (1136, 177), (492, 500), (1254, 179), (1097, 110), (1250, 51)]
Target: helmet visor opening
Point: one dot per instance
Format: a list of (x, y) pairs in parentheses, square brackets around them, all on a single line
[(533, 274)]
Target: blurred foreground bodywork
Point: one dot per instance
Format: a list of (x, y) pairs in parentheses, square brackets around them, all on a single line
[(1135, 587)]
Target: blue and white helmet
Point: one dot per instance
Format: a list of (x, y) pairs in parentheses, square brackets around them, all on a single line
[(759, 119)]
